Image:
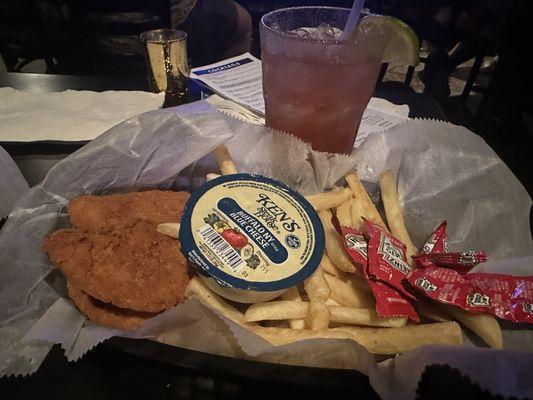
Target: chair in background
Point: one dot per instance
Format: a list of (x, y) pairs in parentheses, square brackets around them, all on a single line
[(508, 94), (435, 28), (22, 35)]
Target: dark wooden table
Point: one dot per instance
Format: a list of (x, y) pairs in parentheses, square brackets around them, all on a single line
[(123, 368)]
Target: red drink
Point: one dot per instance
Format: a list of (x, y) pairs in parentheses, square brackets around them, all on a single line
[(316, 89)]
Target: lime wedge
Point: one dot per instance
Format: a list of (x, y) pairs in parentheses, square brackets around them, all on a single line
[(400, 41)]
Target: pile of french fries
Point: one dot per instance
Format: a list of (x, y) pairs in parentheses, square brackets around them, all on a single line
[(336, 301)]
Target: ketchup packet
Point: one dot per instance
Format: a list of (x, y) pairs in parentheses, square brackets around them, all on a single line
[(461, 262), (355, 244), (389, 303), (386, 258), (435, 253), (437, 242), (505, 296)]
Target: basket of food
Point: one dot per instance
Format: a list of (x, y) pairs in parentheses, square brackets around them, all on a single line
[(186, 227)]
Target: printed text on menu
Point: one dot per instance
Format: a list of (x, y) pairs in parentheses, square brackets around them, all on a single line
[(237, 78)]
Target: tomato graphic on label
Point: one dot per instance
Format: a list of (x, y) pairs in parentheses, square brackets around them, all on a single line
[(235, 238)]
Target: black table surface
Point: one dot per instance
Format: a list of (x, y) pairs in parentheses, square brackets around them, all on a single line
[(123, 368)]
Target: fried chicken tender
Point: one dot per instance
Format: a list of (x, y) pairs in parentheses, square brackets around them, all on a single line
[(115, 254), (104, 313), (111, 212)]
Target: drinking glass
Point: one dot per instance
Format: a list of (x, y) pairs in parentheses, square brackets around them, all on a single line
[(317, 88), (165, 52)]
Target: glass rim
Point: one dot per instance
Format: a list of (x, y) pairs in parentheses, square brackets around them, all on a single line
[(303, 39), (163, 35)]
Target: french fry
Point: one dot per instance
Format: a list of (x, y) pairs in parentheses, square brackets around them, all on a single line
[(224, 160), (356, 213), (211, 176), (375, 340), (292, 294), (317, 316), (344, 214), (484, 325), (327, 266), (367, 208), (276, 310), (327, 200), (334, 247), (170, 229), (359, 283), (280, 336), (196, 289), (363, 316), (316, 286), (393, 211), (331, 302), (346, 294), (405, 338)]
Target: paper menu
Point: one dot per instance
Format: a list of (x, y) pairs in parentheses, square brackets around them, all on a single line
[(237, 78), (379, 116)]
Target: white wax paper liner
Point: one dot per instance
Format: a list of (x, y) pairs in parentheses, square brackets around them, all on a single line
[(444, 172), (12, 183)]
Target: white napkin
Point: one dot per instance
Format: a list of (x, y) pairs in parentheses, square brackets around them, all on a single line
[(70, 115)]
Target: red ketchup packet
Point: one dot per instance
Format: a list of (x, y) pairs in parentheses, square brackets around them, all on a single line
[(461, 262), (505, 296), (356, 246), (435, 253), (389, 303), (437, 242), (386, 258)]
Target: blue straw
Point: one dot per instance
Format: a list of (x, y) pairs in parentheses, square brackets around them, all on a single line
[(353, 19)]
